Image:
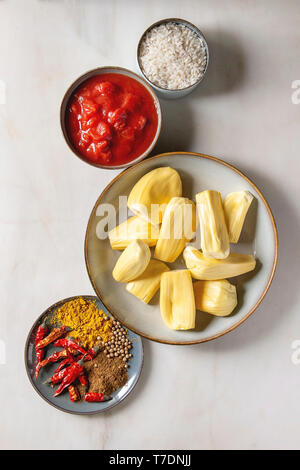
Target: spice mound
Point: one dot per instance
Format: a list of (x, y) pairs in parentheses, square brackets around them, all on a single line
[(89, 324), (105, 375)]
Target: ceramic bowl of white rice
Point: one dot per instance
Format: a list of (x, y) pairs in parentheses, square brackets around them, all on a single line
[(173, 57)]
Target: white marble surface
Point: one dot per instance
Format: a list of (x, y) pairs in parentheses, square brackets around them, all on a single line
[(241, 391)]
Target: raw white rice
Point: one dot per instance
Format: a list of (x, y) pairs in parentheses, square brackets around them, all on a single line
[(172, 56)]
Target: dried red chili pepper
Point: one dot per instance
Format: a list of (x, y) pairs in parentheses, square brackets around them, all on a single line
[(57, 377), (84, 382), (38, 368), (74, 393), (56, 356), (68, 343), (92, 352), (61, 366), (55, 334), (41, 331), (95, 397), (69, 360), (73, 372), (60, 372)]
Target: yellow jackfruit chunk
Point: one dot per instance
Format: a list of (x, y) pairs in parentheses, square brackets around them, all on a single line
[(214, 234), (215, 297), (132, 262), (236, 206), (150, 195), (177, 302), (135, 228), (178, 226), (205, 268), (145, 286)]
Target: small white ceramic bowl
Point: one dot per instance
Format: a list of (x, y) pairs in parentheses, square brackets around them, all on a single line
[(178, 93), (82, 79)]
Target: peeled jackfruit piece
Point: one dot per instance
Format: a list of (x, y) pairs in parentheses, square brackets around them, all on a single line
[(132, 262), (214, 234), (150, 195), (178, 226), (236, 206), (177, 302), (145, 286), (215, 297), (205, 268), (135, 228)]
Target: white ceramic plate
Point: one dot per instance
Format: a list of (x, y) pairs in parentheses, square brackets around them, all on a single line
[(259, 237)]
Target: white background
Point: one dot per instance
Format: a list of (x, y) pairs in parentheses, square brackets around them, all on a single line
[(241, 391)]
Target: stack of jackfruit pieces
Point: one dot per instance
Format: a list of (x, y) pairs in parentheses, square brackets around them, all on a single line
[(168, 221)]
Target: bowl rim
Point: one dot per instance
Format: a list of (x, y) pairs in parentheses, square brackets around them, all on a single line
[(98, 71), (268, 284), (58, 407), (189, 25)]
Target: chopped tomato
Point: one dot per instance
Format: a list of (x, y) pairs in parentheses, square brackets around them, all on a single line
[(104, 88), (106, 107), (141, 122), (104, 145), (106, 104), (104, 131), (88, 107), (86, 124), (128, 133), (85, 137), (85, 92), (82, 144), (92, 152), (94, 134), (92, 121), (131, 102), (117, 118), (98, 149)]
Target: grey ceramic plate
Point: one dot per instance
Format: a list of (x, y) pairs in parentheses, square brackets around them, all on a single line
[(63, 402), (259, 237)]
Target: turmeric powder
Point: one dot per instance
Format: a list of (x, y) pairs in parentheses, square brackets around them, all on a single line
[(89, 324)]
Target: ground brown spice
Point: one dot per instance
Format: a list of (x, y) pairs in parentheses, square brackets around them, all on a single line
[(105, 375)]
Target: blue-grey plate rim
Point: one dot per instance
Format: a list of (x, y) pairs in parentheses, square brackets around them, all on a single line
[(61, 408)]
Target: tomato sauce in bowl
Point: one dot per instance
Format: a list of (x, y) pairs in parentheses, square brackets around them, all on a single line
[(111, 119)]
